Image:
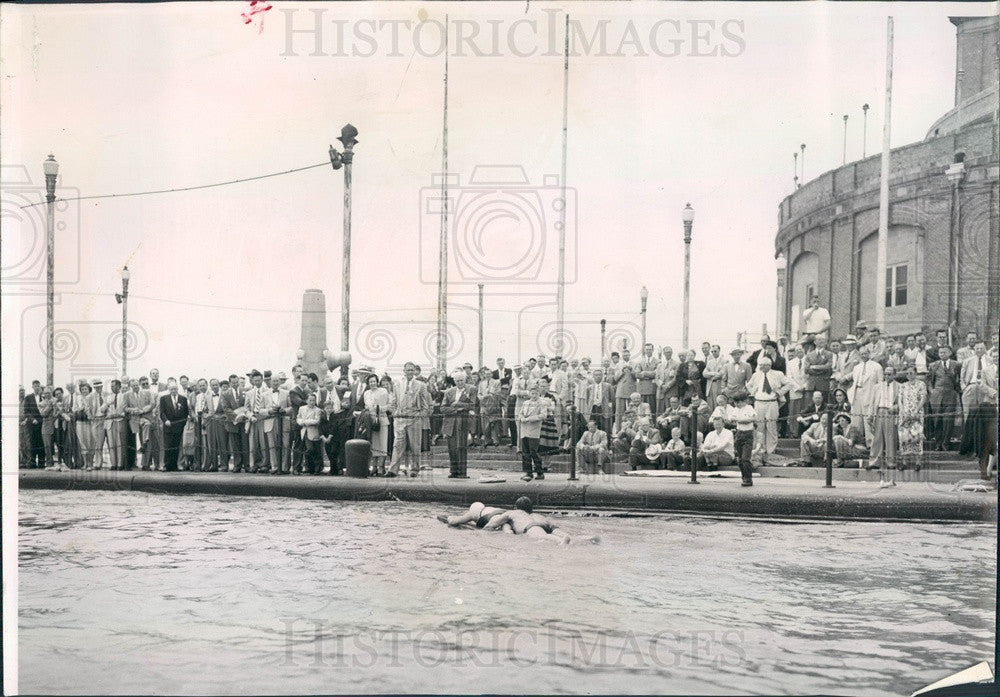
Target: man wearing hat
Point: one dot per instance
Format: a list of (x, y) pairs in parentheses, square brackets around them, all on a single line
[(818, 367), (845, 361), (113, 413), (97, 430), (734, 374)]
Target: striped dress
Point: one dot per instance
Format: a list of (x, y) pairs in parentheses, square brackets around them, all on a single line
[(549, 441)]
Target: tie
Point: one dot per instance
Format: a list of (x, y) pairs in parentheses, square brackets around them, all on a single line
[(979, 367), (256, 400), (175, 404), (767, 385)]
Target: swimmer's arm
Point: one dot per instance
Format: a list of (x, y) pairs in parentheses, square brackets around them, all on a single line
[(497, 521)]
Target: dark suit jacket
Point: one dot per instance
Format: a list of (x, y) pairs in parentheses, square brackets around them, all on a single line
[(177, 417), (231, 401), (690, 370), (456, 414), (31, 410), (504, 379), (944, 382), (934, 355)]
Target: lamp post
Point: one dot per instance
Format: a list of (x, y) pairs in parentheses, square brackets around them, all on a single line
[(795, 157), (348, 138), (864, 132), (803, 149), (51, 169), (123, 301), (687, 215), (845, 139), (956, 175), (604, 335), (643, 297)]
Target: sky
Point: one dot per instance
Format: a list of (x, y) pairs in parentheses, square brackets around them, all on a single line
[(702, 103)]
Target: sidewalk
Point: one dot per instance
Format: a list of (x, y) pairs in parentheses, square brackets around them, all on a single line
[(769, 497)]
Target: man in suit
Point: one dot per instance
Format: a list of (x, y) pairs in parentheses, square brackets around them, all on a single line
[(940, 340), (457, 405), (818, 367), (214, 427), (529, 426), (506, 377), (48, 411), (864, 381), (844, 361), (979, 379), (666, 379), (968, 351), (113, 414), (624, 389), (644, 368), (767, 387), (885, 405), (944, 377), (234, 406), (592, 449), (412, 406), (98, 433), (278, 436), (600, 400), (139, 407), (308, 419), (260, 413), (756, 355), (174, 414), (33, 415), (339, 426), (689, 376), (734, 374)]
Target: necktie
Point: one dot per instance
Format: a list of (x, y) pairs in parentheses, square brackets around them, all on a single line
[(175, 404), (767, 385), (979, 367), (256, 400)]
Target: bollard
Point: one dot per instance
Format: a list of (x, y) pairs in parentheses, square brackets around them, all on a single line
[(694, 446), (829, 448)]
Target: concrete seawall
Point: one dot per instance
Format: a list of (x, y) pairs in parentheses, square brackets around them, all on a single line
[(770, 498)]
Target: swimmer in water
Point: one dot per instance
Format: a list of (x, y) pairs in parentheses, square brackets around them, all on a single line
[(479, 514), (525, 522)]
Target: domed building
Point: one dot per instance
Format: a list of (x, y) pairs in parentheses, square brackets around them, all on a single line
[(943, 240)]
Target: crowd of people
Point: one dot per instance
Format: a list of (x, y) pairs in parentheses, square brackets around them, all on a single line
[(887, 400)]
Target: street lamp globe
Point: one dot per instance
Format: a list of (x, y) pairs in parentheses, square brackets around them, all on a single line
[(50, 166), (687, 215), (644, 294), (126, 274)]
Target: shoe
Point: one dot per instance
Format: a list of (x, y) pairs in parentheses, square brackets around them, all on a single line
[(747, 484), (539, 476), (388, 475), (527, 478), (884, 484)]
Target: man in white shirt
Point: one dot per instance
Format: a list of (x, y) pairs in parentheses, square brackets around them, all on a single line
[(978, 379), (718, 447), (767, 387), (745, 417), (886, 407), (917, 355), (816, 319)]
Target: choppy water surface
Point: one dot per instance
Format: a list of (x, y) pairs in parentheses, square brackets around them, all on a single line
[(125, 592)]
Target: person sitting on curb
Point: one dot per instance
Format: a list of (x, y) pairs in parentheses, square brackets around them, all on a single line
[(524, 522)]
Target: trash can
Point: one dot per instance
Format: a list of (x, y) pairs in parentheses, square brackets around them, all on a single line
[(357, 452)]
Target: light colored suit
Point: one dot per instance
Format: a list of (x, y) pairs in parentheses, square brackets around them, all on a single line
[(861, 394), (593, 448), (413, 405), (979, 385), (767, 406), (113, 412)]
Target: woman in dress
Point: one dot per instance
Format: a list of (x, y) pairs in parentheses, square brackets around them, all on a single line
[(713, 374), (387, 384), (376, 400), (81, 416), (548, 442), (912, 397), (189, 437)]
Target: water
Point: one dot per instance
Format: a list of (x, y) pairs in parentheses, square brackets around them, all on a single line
[(124, 592)]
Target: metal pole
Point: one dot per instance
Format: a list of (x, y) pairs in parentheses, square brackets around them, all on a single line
[(572, 438), (687, 282), (443, 253), (795, 179), (50, 276), (694, 446), (883, 205), (347, 137), (803, 149), (643, 313), (561, 287), (604, 334), (829, 448), (481, 364), (845, 139), (125, 325)]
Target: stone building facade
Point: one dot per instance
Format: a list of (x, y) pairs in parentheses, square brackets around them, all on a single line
[(944, 209)]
